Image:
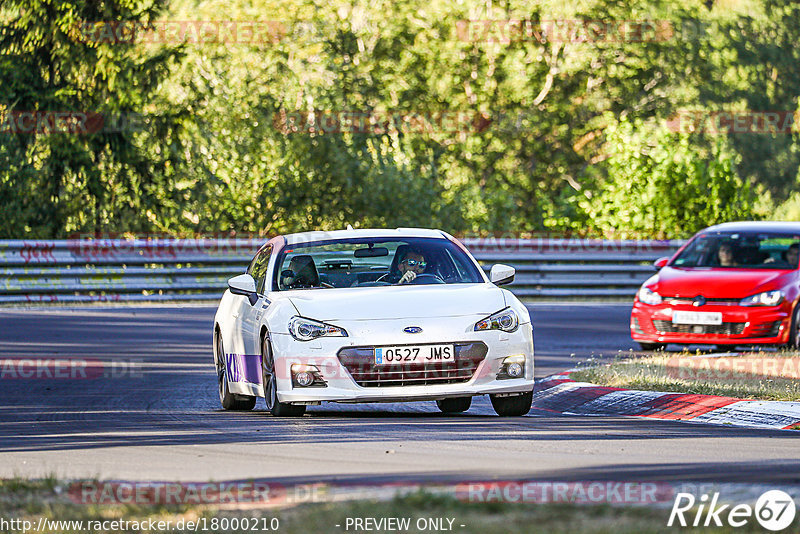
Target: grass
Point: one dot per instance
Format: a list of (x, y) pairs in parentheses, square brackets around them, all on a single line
[(33, 500), (654, 373)]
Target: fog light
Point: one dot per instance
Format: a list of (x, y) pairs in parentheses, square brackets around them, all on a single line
[(513, 367), (304, 379), (306, 375), (514, 370)]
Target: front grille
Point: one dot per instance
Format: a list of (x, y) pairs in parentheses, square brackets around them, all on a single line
[(360, 363), (674, 301), (726, 329)]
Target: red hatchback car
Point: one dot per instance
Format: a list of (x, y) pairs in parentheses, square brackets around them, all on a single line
[(731, 284)]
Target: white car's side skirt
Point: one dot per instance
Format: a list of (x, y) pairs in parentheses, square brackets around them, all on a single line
[(246, 388)]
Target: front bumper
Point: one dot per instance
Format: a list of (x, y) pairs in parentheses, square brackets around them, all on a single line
[(340, 386), (740, 324)]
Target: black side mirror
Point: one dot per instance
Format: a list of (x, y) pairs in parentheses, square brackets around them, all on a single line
[(244, 285)]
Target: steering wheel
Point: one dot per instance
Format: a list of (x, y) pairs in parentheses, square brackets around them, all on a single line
[(425, 279)]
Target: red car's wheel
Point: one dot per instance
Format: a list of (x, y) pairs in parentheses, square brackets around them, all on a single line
[(794, 331)]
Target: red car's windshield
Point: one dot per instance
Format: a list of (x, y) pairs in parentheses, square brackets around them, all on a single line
[(741, 250)]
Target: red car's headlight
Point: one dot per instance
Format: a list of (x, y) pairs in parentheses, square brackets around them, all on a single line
[(649, 297), (767, 298)]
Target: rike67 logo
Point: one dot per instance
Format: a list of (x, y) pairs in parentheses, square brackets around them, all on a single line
[(774, 510)]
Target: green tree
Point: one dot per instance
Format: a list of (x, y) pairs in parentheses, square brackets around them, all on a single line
[(56, 183), (662, 184)]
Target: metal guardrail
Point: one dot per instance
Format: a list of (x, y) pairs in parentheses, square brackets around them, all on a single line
[(116, 270)]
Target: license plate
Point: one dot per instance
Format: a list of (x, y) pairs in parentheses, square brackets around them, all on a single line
[(693, 317), (414, 354)]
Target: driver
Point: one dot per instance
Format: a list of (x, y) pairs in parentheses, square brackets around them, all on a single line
[(411, 265)]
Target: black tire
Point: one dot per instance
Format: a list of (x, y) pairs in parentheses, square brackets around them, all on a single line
[(794, 330), (652, 346), (229, 401), (275, 407), (515, 406), (454, 405)]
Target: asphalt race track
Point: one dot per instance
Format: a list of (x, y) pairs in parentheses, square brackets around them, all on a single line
[(161, 419)]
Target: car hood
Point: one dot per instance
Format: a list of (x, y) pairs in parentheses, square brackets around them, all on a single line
[(715, 283), (398, 302)]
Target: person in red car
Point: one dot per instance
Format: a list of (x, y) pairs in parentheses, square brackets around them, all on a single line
[(793, 255), (725, 255), (790, 256)]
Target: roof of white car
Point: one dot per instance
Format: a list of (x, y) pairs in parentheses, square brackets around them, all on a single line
[(305, 237)]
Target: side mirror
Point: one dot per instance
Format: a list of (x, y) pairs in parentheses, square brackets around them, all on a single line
[(661, 262), (244, 285), (501, 274)]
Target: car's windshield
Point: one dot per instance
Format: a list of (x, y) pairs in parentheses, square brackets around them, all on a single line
[(741, 250), (370, 262)]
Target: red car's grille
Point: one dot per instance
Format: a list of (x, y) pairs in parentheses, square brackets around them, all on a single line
[(674, 301), (725, 329), (360, 363)]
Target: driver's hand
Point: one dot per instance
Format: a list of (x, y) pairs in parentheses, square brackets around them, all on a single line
[(407, 277)]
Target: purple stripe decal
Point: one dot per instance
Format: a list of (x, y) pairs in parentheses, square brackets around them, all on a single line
[(243, 368)]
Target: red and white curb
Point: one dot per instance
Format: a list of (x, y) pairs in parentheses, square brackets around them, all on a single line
[(560, 394)]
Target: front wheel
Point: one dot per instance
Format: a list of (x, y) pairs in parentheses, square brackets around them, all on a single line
[(270, 382), (794, 330), (455, 405), (228, 400), (514, 406), (653, 346)]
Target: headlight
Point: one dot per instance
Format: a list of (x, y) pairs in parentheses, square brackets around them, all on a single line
[(649, 297), (303, 329), (505, 320), (767, 298)]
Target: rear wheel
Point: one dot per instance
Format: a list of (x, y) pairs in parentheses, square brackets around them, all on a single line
[(275, 407), (514, 406), (652, 346), (229, 401), (455, 405)]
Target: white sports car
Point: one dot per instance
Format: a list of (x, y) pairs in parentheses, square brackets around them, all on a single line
[(371, 316)]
